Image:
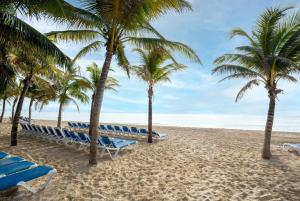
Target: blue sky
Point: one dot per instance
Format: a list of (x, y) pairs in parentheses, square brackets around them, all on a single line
[(194, 91)]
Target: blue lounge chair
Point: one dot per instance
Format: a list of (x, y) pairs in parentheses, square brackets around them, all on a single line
[(84, 139), (3, 155), (10, 160), (126, 130), (143, 132), (134, 131), (118, 129), (112, 145), (20, 178), (110, 128), (160, 136), (103, 128), (15, 167)]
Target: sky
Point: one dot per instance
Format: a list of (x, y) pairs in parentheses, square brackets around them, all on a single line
[(195, 90)]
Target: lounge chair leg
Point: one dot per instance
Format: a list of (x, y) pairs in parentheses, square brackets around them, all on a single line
[(116, 153), (33, 190), (102, 152)]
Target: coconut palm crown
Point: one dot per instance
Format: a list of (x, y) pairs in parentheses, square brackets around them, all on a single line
[(272, 54)]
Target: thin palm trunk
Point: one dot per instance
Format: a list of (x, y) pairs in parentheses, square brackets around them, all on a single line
[(96, 108), (266, 152), (92, 103), (13, 107), (14, 128), (3, 110), (29, 109), (59, 115), (150, 94)]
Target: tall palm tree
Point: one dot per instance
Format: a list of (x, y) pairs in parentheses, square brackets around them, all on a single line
[(272, 54), (154, 70), (119, 23), (69, 87)]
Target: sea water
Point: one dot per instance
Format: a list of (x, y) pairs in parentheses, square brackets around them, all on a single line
[(232, 121)]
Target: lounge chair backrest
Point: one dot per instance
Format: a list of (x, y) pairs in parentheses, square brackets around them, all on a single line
[(74, 136), (39, 128), (50, 129), (134, 130), (125, 129), (143, 131), (109, 127), (85, 125), (70, 124), (67, 133), (82, 137), (117, 128), (22, 125), (75, 125), (58, 132), (79, 124), (34, 128), (30, 127), (102, 127), (105, 140), (45, 130)]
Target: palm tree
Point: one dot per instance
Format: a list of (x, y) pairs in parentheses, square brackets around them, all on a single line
[(120, 23), (272, 54), (94, 75), (154, 70), (40, 92), (29, 66), (69, 87), (9, 92), (94, 72)]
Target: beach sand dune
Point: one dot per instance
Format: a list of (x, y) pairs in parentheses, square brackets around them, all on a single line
[(194, 164)]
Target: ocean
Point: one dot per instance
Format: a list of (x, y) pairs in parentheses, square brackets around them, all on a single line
[(248, 122)]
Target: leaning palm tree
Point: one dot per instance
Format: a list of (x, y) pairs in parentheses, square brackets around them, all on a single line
[(29, 66), (272, 54), (154, 70), (69, 87), (120, 23)]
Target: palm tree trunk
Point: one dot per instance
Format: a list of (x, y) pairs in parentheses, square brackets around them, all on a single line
[(13, 107), (96, 108), (29, 109), (14, 128), (3, 109), (59, 115), (92, 103), (266, 152), (150, 94)]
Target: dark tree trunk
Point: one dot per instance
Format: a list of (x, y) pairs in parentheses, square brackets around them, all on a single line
[(13, 107), (59, 115), (96, 108), (150, 94), (29, 111), (92, 103), (266, 152), (14, 128), (3, 109)]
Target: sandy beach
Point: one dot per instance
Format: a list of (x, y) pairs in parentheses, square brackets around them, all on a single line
[(194, 164)]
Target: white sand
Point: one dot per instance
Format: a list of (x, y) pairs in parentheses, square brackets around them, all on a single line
[(194, 164)]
